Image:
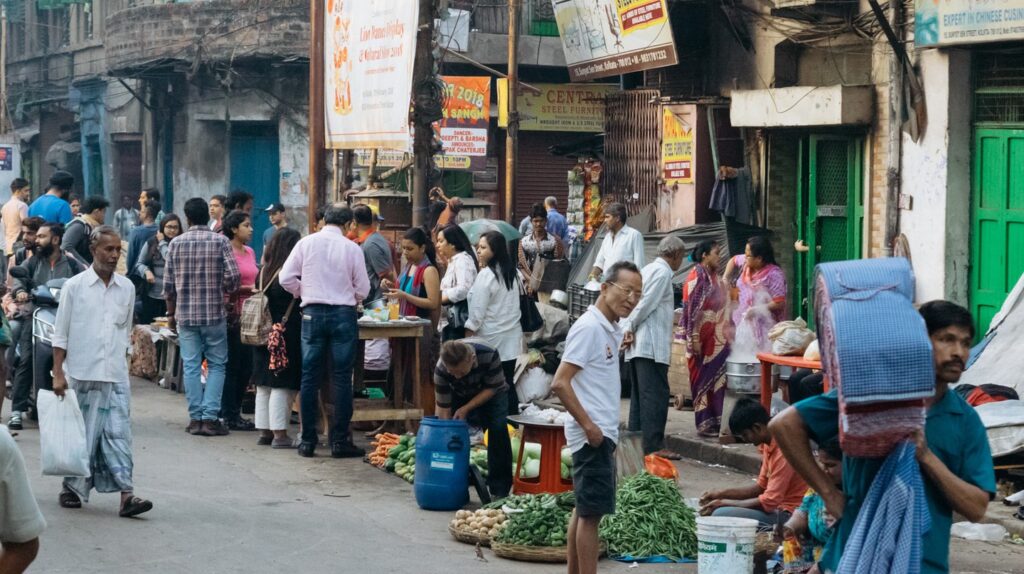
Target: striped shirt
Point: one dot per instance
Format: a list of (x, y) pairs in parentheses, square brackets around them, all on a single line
[(486, 374), (199, 272)]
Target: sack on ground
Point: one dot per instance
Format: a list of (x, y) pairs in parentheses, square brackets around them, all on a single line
[(143, 359), (790, 337), (533, 385), (62, 445)]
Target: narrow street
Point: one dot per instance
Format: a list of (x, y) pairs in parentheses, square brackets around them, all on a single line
[(225, 505)]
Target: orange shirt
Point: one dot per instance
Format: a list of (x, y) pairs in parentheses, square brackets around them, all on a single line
[(783, 487)]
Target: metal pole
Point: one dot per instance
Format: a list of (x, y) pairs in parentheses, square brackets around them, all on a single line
[(3, 69), (512, 132), (316, 110)]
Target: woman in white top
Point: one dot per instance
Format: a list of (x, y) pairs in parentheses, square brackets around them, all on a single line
[(494, 305), (454, 247)]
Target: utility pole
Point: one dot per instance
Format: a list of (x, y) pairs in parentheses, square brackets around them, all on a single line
[(3, 69), (512, 131), (316, 111), (423, 133)]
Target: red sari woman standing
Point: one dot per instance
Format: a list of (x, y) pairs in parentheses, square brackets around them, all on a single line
[(706, 345)]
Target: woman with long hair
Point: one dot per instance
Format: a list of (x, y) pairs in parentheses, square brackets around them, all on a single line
[(237, 227), (706, 344), (276, 387), (537, 248), (151, 267), (494, 305), (453, 245)]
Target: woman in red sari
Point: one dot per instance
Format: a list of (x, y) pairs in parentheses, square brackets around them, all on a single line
[(706, 345)]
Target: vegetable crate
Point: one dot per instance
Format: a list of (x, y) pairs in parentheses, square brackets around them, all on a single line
[(579, 300)]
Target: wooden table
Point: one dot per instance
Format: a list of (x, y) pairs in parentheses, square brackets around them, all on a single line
[(405, 336), (767, 360)]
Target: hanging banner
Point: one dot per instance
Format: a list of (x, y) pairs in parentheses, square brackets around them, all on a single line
[(369, 48), (604, 38), (558, 107), (463, 128), (676, 149), (948, 22)]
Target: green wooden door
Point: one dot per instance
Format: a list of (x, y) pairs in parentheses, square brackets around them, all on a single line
[(830, 210), (997, 220)]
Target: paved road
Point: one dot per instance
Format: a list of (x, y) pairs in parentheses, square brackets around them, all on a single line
[(224, 505)]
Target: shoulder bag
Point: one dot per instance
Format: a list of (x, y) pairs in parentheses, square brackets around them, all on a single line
[(529, 317), (256, 321)]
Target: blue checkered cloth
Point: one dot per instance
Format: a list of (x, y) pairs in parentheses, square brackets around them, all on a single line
[(889, 531), (874, 343)]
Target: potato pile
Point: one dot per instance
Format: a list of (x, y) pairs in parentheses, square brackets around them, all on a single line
[(483, 522)]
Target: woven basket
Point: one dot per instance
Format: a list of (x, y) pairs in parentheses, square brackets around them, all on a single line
[(764, 543), (467, 537), (557, 554)]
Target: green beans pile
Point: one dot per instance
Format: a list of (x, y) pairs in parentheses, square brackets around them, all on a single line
[(650, 519), (542, 522)]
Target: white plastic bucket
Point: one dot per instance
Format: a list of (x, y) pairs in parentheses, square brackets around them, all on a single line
[(725, 545)]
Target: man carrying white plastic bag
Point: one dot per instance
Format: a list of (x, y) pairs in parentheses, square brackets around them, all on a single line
[(90, 354), (62, 443)]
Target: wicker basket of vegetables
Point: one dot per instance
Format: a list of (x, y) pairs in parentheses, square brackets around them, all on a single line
[(476, 527), (535, 530)]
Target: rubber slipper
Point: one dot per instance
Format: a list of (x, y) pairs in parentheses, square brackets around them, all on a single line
[(134, 506), (287, 443), (68, 499)]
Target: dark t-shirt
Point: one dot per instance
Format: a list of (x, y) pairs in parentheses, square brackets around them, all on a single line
[(377, 253), (487, 374), (957, 437)]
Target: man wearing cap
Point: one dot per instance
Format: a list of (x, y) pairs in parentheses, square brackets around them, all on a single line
[(278, 220), (52, 207), (376, 249)]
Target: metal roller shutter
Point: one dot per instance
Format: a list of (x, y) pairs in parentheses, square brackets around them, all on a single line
[(540, 174)]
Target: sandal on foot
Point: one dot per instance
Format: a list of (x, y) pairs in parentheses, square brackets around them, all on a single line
[(68, 499), (286, 442), (134, 506)]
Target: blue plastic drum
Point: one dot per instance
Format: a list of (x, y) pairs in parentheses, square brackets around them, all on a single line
[(442, 464)]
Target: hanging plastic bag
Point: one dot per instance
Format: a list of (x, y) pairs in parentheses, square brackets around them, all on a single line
[(533, 385), (790, 337), (62, 447)]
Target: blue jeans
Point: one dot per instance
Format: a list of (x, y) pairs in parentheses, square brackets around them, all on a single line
[(210, 341), (326, 328)]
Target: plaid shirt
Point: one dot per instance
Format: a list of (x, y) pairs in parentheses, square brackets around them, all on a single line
[(199, 272)]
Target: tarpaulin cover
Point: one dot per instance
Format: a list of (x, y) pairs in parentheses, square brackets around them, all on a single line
[(998, 359)]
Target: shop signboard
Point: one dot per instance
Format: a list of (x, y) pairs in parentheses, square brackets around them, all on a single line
[(558, 107), (604, 38), (676, 148), (951, 22), (369, 49), (463, 127)]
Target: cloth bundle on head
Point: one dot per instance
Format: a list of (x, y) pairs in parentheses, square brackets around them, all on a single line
[(875, 350), (888, 533)]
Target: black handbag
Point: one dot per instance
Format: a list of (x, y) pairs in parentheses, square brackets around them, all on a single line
[(529, 316), (458, 314)]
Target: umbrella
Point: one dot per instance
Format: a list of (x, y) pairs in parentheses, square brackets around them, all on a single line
[(474, 229)]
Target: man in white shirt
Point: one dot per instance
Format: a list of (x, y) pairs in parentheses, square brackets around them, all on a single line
[(90, 354), (587, 382), (14, 211), (621, 242), (648, 342), (21, 523)]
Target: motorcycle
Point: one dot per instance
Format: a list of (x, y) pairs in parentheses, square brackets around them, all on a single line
[(46, 299)]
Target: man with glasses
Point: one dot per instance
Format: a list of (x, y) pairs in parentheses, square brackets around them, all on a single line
[(587, 382)]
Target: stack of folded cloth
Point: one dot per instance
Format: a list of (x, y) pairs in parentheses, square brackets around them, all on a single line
[(875, 350)]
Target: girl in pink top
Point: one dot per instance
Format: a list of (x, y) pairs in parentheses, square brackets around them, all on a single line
[(238, 228)]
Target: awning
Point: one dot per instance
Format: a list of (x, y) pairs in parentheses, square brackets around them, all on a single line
[(803, 106)]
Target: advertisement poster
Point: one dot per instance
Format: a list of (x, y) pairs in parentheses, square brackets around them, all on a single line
[(369, 51), (558, 108), (605, 38), (676, 149), (463, 128), (949, 22)]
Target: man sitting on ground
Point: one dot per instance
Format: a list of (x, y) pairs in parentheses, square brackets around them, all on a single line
[(470, 385), (779, 490)]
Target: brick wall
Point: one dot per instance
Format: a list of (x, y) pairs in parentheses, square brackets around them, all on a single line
[(878, 151), (783, 152)]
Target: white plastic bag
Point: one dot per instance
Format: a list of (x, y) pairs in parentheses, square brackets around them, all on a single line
[(813, 352), (982, 532), (62, 447), (533, 385), (790, 337)]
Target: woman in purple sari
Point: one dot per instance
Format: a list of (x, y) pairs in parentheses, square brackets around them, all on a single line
[(706, 345), (762, 289)]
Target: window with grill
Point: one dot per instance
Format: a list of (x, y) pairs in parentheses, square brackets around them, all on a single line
[(999, 87)]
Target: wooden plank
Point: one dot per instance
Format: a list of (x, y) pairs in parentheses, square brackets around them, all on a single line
[(410, 331)]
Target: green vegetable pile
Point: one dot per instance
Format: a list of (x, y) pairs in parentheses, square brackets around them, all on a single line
[(566, 500), (650, 519), (402, 458), (478, 458), (542, 521)]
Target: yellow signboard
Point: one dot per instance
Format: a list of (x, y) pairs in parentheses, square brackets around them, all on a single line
[(558, 108), (676, 149)]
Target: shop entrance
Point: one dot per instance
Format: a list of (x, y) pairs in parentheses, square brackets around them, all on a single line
[(829, 211)]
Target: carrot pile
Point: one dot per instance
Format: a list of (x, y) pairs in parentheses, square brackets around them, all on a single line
[(383, 443)]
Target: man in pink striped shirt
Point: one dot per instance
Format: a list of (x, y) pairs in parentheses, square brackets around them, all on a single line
[(328, 272)]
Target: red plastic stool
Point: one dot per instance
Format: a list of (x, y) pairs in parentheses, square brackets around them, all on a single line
[(551, 438)]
